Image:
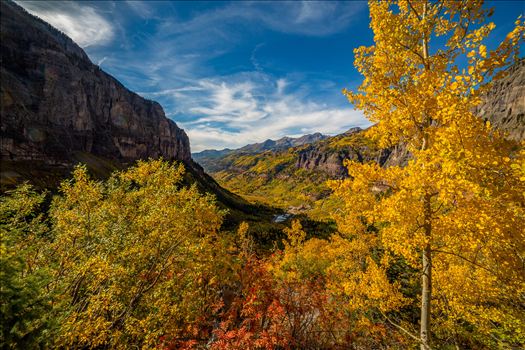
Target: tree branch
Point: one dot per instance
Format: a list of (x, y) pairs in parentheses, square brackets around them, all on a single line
[(404, 330)]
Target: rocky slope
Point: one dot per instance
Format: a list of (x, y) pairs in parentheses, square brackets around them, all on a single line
[(504, 105), (56, 104)]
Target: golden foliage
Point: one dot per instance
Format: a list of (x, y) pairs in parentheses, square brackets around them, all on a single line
[(138, 257), (460, 199)]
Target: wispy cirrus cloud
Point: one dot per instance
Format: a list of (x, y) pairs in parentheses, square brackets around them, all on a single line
[(294, 122), (232, 111), (313, 18), (141, 8), (80, 22)]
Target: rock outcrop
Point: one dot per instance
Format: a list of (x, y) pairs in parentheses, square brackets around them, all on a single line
[(331, 161), (326, 161), (504, 105), (55, 102), (321, 156)]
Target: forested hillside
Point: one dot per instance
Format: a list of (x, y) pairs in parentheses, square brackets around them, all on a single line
[(294, 178)]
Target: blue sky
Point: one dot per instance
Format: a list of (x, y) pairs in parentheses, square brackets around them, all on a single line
[(233, 73)]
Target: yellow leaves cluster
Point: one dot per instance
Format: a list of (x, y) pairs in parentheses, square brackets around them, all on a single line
[(295, 234), (352, 276)]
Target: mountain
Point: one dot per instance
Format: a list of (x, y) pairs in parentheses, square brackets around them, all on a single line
[(294, 177), (58, 107), (325, 154), (282, 143), (208, 158)]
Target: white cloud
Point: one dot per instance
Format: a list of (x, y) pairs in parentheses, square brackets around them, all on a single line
[(329, 122), (141, 8), (80, 22), (232, 113), (315, 18), (311, 18), (281, 85), (253, 59), (311, 11)]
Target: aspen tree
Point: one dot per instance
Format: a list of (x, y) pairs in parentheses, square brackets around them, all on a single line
[(460, 193)]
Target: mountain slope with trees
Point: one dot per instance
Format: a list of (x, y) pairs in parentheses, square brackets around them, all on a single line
[(59, 109)]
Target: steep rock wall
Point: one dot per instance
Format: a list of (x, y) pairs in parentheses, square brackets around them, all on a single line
[(504, 105), (55, 102)]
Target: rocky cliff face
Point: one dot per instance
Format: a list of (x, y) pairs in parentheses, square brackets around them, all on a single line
[(328, 162), (55, 102), (320, 156), (504, 105), (331, 161)]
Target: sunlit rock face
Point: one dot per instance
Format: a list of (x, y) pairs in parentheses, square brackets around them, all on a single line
[(55, 102)]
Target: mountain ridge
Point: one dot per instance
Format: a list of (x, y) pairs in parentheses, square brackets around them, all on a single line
[(205, 158), (285, 142), (294, 177)]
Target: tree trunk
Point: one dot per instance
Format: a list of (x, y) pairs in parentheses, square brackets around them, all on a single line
[(426, 281), (426, 276)]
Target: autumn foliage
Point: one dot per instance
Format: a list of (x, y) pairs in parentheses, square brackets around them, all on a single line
[(456, 212), (427, 255)]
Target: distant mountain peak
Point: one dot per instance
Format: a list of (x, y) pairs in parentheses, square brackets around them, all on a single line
[(267, 145), (352, 130)]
